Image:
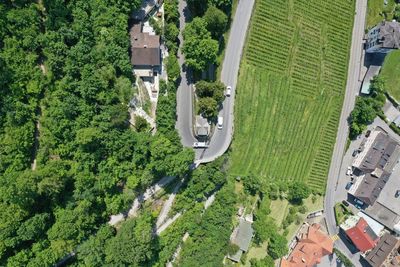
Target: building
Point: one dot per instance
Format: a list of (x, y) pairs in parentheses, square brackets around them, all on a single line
[(202, 127), (374, 165), (241, 237), (385, 253), (309, 250), (145, 52), (147, 7), (360, 233), (372, 71), (383, 38)]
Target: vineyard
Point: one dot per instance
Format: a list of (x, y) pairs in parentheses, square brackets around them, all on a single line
[(291, 88)]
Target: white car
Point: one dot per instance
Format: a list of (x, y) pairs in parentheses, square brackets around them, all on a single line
[(200, 145), (220, 122), (228, 90), (349, 171)]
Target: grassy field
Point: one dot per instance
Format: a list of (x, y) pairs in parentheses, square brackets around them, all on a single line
[(390, 72), (290, 91), (376, 9)]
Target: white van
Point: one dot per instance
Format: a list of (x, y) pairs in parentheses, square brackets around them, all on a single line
[(220, 122)]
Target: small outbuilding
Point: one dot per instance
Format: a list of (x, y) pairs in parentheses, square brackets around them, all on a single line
[(202, 127), (241, 237)]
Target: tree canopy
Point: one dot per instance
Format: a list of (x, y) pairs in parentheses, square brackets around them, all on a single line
[(199, 48)]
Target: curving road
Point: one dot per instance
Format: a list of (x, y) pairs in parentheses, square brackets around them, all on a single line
[(221, 139), (352, 88)]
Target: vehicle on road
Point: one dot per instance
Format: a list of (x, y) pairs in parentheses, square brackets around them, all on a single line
[(397, 194), (344, 202), (200, 145), (367, 133), (348, 185), (355, 152), (228, 90), (220, 122), (349, 171)]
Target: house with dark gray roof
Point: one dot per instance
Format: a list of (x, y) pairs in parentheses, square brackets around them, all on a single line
[(385, 251), (383, 38), (145, 52), (375, 164), (241, 237)]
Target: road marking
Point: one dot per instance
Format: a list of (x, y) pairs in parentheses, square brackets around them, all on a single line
[(334, 237)]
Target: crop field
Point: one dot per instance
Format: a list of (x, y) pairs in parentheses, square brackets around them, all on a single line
[(291, 87)]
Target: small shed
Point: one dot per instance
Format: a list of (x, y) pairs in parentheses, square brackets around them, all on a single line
[(202, 127), (242, 238), (372, 71)]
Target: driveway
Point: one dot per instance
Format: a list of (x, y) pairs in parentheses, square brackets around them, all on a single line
[(221, 139)]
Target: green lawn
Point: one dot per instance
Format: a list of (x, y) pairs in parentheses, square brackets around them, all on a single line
[(391, 73), (290, 90), (376, 9), (341, 213)]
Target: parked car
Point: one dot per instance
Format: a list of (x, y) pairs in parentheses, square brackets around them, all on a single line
[(228, 90), (355, 152), (367, 133), (349, 171), (345, 203), (348, 185), (220, 122), (397, 194)]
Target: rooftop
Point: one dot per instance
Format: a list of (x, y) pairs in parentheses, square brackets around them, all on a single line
[(376, 162), (384, 215), (375, 225), (389, 34), (372, 71), (380, 253), (145, 48), (202, 127), (244, 235), (362, 236), (312, 246)]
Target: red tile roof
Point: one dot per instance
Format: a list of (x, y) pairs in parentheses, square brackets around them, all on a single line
[(310, 249), (362, 236)]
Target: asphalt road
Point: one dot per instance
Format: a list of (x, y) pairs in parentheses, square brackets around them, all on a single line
[(352, 88), (221, 139)]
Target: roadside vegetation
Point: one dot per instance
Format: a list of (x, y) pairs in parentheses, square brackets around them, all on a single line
[(290, 91), (341, 213), (390, 73), (368, 107), (203, 43), (346, 262)]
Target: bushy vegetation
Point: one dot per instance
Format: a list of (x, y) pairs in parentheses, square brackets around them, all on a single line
[(210, 96), (290, 90), (367, 108), (203, 36), (65, 67), (199, 48)]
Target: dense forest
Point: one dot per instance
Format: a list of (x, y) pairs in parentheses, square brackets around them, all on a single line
[(68, 158)]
